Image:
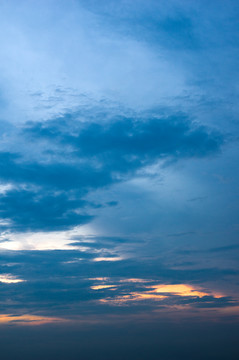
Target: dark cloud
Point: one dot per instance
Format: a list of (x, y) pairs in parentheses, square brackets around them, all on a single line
[(123, 143), (42, 210), (70, 158)]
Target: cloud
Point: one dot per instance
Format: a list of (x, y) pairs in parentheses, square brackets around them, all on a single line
[(30, 210), (169, 25), (70, 158), (9, 279), (123, 142), (27, 319), (58, 285)]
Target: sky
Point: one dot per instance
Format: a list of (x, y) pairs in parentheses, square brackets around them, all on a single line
[(119, 179)]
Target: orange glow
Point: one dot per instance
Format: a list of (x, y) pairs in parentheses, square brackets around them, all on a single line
[(134, 296), (160, 292), (28, 319), (179, 289), (10, 279)]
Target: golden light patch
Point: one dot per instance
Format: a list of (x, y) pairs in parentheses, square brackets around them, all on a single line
[(184, 290), (160, 292), (180, 290)]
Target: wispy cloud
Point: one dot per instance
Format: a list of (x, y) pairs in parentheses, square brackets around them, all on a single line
[(27, 319)]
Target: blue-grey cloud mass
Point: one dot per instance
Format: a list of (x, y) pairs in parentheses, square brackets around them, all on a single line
[(77, 157)]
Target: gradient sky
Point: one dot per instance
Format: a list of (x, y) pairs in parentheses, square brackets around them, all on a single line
[(119, 179)]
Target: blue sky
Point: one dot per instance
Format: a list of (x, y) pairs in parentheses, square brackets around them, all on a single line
[(118, 175)]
